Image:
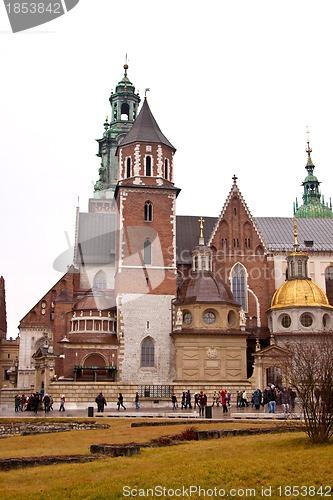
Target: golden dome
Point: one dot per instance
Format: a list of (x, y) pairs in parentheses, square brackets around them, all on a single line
[(299, 292)]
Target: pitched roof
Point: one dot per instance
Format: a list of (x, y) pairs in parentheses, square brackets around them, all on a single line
[(146, 129), (277, 233)]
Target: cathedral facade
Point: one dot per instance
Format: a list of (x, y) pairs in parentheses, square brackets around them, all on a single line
[(156, 302)]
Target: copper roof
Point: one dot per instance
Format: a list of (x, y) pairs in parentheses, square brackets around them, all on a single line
[(202, 286)]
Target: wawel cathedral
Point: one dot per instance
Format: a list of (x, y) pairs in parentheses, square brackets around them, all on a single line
[(156, 302)]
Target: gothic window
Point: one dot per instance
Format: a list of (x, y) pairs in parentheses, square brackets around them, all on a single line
[(148, 211), (239, 285), (147, 353), (236, 243), (166, 169), (128, 167), (148, 166), (247, 243), (100, 280), (124, 111), (224, 243), (147, 252)]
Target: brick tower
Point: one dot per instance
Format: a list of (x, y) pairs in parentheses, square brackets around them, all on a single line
[(145, 282)]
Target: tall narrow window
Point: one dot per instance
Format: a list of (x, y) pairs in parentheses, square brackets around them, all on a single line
[(128, 167), (147, 352), (147, 252), (239, 285), (148, 166), (100, 280), (148, 211), (166, 169)]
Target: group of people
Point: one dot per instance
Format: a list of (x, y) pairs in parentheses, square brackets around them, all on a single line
[(200, 400), (269, 398), (36, 401), (101, 402)]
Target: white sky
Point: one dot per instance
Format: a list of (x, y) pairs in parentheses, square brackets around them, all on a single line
[(233, 87)]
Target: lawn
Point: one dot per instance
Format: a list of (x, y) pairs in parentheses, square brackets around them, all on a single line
[(241, 466)]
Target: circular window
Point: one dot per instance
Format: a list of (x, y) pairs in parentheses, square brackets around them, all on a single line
[(306, 320), (286, 321), (187, 318), (209, 317)]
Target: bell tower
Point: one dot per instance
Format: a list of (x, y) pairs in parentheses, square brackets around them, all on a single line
[(124, 106), (146, 273)]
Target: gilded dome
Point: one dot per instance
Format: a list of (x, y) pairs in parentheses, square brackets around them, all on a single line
[(297, 293)]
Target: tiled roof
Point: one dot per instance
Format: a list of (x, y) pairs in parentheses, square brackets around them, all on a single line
[(278, 232), (96, 237), (146, 129)]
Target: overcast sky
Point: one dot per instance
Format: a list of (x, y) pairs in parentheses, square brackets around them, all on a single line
[(233, 87)]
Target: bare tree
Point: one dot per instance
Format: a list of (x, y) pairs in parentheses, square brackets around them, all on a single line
[(310, 373)]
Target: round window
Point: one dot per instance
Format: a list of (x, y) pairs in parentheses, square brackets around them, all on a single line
[(187, 318), (209, 317), (286, 321), (306, 320)]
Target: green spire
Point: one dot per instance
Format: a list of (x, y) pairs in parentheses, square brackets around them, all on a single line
[(124, 105), (313, 202)]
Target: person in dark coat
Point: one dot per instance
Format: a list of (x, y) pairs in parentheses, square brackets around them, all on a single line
[(256, 398), (120, 401), (46, 401), (202, 400), (101, 402)]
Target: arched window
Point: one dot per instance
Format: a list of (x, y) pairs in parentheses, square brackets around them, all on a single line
[(100, 280), (148, 211), (147, 251), (147, 352), (148, 166), (128, 167), (124, 111), (239, 285), (166, 169)]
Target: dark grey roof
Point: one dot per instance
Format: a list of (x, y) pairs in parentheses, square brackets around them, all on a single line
[(145, 129), (188, 232), (278, 233), (96, 237)]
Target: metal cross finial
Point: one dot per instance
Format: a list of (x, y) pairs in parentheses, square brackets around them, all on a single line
[(308, 149), (201, 220), (146, 90), (234, 178)]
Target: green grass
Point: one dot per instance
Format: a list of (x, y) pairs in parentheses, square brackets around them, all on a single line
[(250, 462)]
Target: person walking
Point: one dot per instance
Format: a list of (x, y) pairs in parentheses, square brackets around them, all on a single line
[(285, 400), (120, 402), (202, 400), (256, 398), (224, 399), (272, 399), (17, 402), (62, 403), (101, 402), (174, 401), (46, 401), (137, 400)]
